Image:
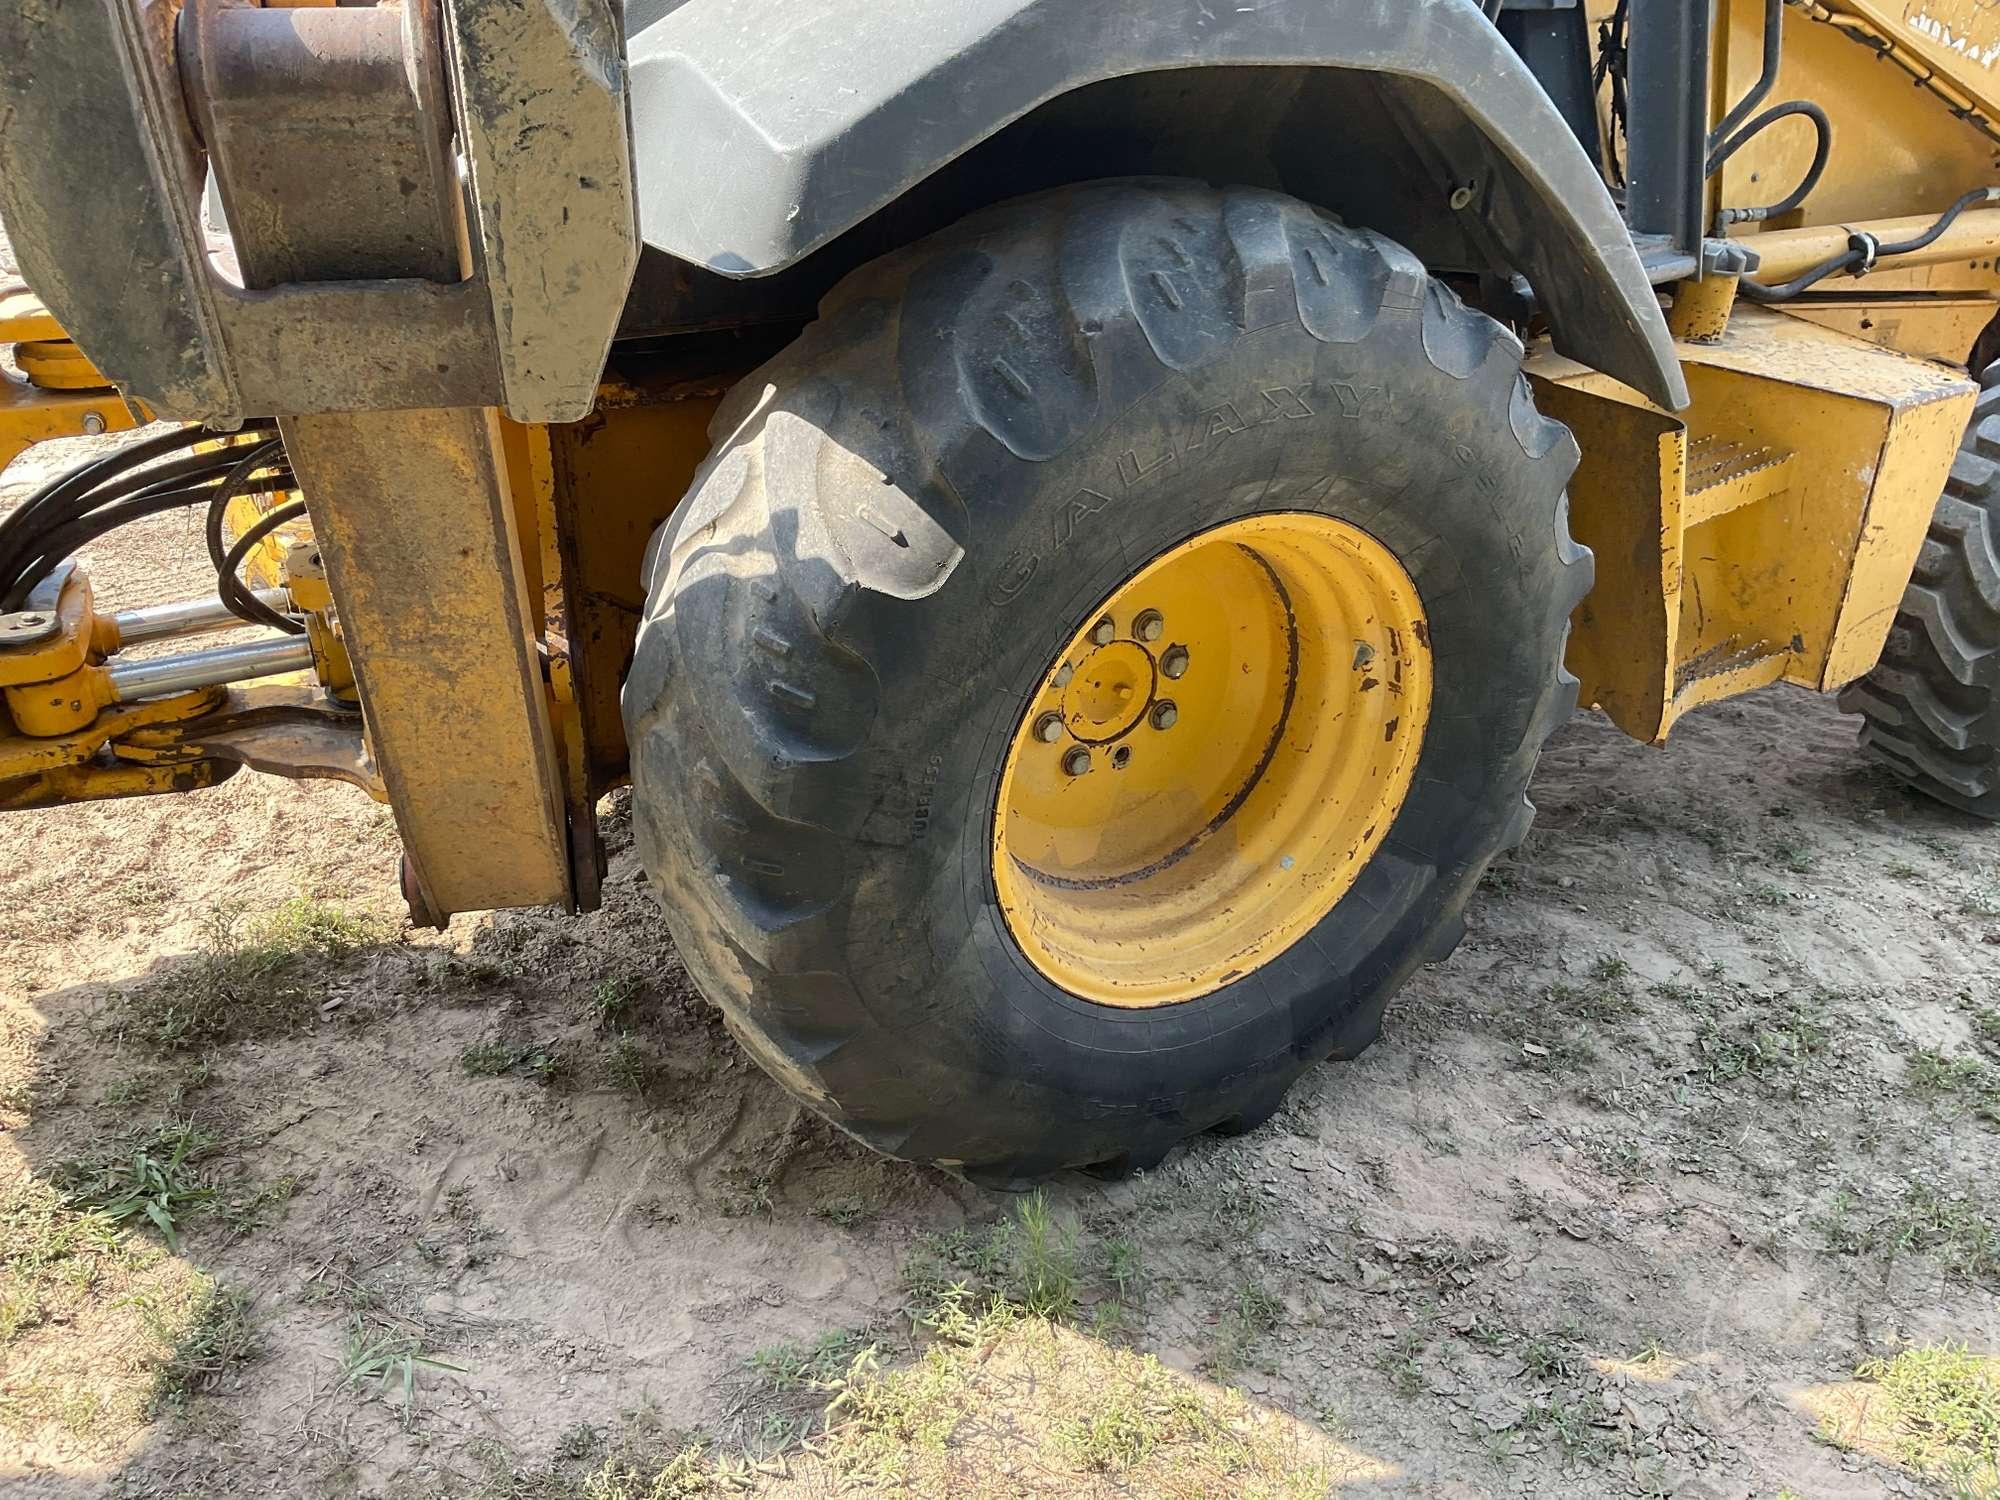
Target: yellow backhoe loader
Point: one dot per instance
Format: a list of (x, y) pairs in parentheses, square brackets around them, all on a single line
[(1074, 517)]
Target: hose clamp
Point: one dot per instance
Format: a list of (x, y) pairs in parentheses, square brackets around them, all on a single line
[(1869, 247)]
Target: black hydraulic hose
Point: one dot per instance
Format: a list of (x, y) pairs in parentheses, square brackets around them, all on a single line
[(262, 527), (242, 603), (1822, 148), (129, 485), (1863, 251), (119, 476), (66, 490), (52, 547), (1774, 16)]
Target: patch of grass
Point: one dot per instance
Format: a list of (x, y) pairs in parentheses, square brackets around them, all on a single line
[(1982, 899), (541, 1062), (684, 1475), (789, 1367), (1077, 1407), (1549, 1357), (1790, 851), (789, 1386), (1844, 1234), (156, 1178), (1985, 1022), (844, 1211), (386, 1357), (1943, 1416), (1964, 1083), (252, 977), (1780, 1040), (1047, 1259), (1950, 1224), (219, 1337), (1572, 1423), (628, 1065), (1124, 1267), (748, 1196), (612, 1000), (1399, 1361), (53, 1256)]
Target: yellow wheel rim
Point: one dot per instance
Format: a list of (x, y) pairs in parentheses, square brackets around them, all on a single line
[(1206, 768)]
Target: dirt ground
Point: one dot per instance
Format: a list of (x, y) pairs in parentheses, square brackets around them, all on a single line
[(1704, 1115)]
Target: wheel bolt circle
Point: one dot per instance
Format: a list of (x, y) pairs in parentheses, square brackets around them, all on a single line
[(1049, 728), (1076, 762), (1104, 632), (1150, 625), (1165, 714), (1175, 662)]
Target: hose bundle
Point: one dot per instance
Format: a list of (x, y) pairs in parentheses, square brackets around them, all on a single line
[(147, 479)]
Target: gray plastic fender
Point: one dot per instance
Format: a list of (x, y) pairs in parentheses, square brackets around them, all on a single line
[(764, 128)]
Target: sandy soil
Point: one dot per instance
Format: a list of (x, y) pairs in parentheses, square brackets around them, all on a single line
[(1664, 1146)]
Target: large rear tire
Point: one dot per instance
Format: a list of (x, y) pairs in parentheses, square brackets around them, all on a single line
[(1931, 708), (913, 522)]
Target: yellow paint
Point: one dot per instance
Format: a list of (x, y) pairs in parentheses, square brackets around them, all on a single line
[(22, 755), (102, 781), (1625, 505), (619, 473), (1897, 149), (1941, 328), (1251, 706), (1700, 314), (1767, 537), (418, 533)]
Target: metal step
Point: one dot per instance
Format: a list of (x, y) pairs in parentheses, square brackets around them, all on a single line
[(1723, 475)]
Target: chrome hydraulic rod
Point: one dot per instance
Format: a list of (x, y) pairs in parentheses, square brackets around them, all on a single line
[(199, 669), (156, 622)]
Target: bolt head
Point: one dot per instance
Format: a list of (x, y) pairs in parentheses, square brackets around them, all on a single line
[(93, 423), (34, 619), (1461, 197), (1103, 633), (1175, 662), (1165, 715), (1150, 625), (1063, 674), (1077, 762), (1049, 728)]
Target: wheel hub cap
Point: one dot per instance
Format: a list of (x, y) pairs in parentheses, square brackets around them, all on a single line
[(1205, 769)]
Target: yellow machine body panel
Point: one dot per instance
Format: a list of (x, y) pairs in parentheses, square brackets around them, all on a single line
[(1765, 534)]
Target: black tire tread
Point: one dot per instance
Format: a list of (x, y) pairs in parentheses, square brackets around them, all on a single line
[(1031, 384), (1930, 709)]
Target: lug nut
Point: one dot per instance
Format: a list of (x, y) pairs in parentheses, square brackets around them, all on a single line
[(1103, 633), (1150, 625), (1175, 662), (1077, 762), (1063, 674), (1048, 728), (1165, 715)]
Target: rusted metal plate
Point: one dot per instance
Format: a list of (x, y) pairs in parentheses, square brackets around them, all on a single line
[(417, 528), (286, 730)]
